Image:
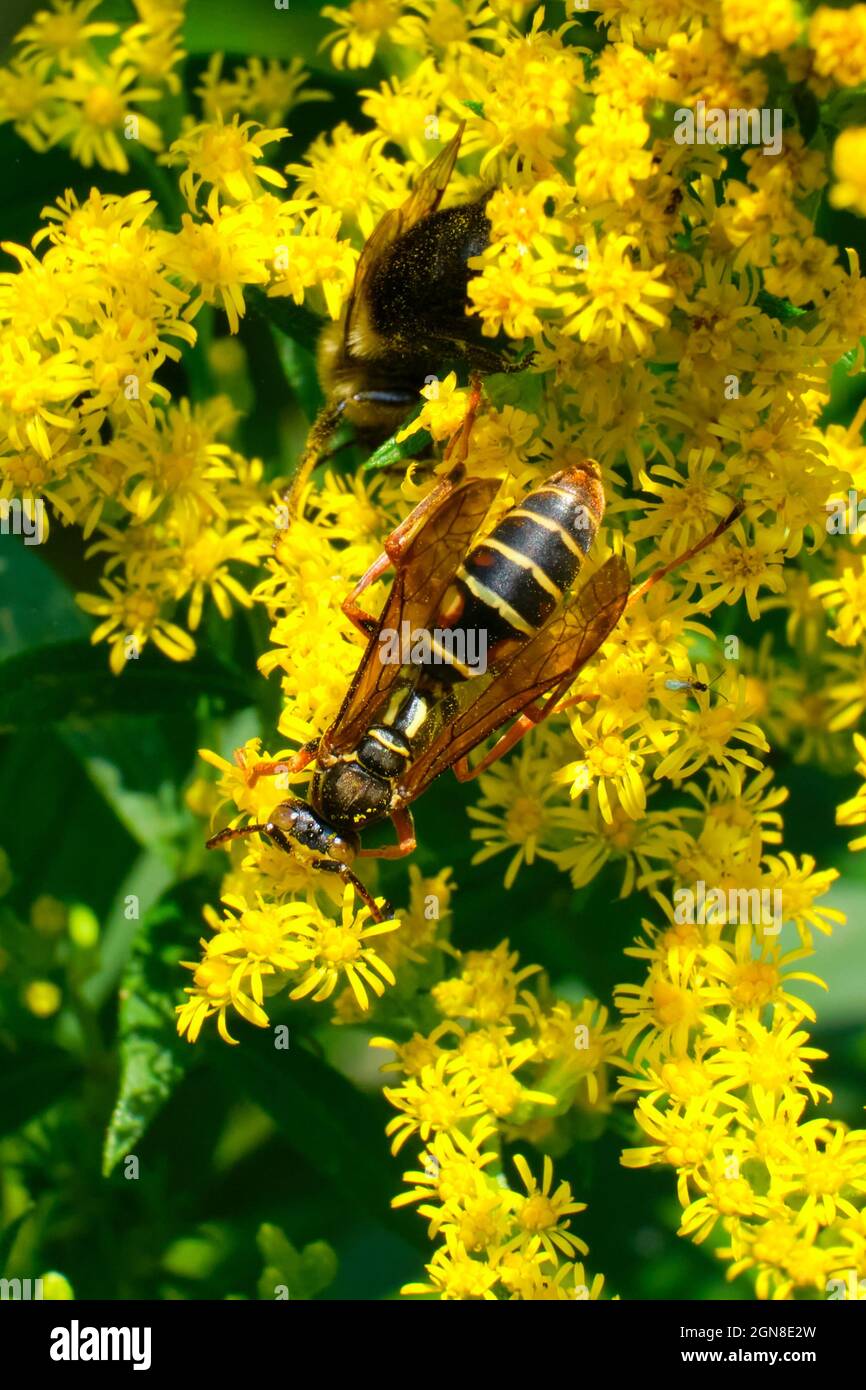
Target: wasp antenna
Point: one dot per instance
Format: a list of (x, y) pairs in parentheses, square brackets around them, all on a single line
[(223, 836), (693, 550)]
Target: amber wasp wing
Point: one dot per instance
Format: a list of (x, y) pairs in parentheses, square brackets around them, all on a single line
[(549, 661), (424, 199), (424, 572)]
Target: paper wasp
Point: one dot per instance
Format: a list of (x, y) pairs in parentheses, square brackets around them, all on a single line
[(399, 727)]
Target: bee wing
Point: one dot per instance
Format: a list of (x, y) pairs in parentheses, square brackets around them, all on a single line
[(425, 570), (424, 199), (558, 652), (431, 183)]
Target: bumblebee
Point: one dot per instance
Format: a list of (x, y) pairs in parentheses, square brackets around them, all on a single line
[(406, 314)]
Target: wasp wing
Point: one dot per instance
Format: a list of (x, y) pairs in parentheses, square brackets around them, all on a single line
[(423, 575), (424, 199), (556, 654)]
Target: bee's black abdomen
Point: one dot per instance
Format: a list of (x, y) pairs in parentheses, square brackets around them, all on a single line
[(420, 286)]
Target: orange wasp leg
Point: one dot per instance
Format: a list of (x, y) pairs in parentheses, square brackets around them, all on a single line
[(296, 763), (531, 717), (405, 828), (400, 538), (465, 429)]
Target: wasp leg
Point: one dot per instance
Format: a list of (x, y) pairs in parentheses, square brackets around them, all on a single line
[(405, 828), (396, 546), (468, 421), (465, 773), (363, 621), (296, 763), (531, 717), (689, 554), (331, 866)]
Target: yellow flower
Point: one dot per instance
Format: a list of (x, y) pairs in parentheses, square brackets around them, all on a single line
[(510, 292), (218, 258), (541, 1211), (130, 619), (97, 111), (62, 33), (155, 47), (343, 949), (314, 257), (487, 987), (205, 569), (849, 168), (760, 28), (527, 93), (226, 157), (853, 812), (838, 38), (360, 27), (25, 99), (612, 298), (613, 158), (434, 1102), (514, 813), (42, 998), (611, 763), (348, 172)]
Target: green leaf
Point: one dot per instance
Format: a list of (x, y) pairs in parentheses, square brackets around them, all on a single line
[(304, 1274), (9, 1235), (392, 452), (295, 320), (32, 1081), (775, 308), (67, 679), (337, 1129), (153, 1057), (299, 368), (296, 31)]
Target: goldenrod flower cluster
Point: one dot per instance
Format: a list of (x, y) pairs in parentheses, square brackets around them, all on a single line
[(106, 297), (688, 326)]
